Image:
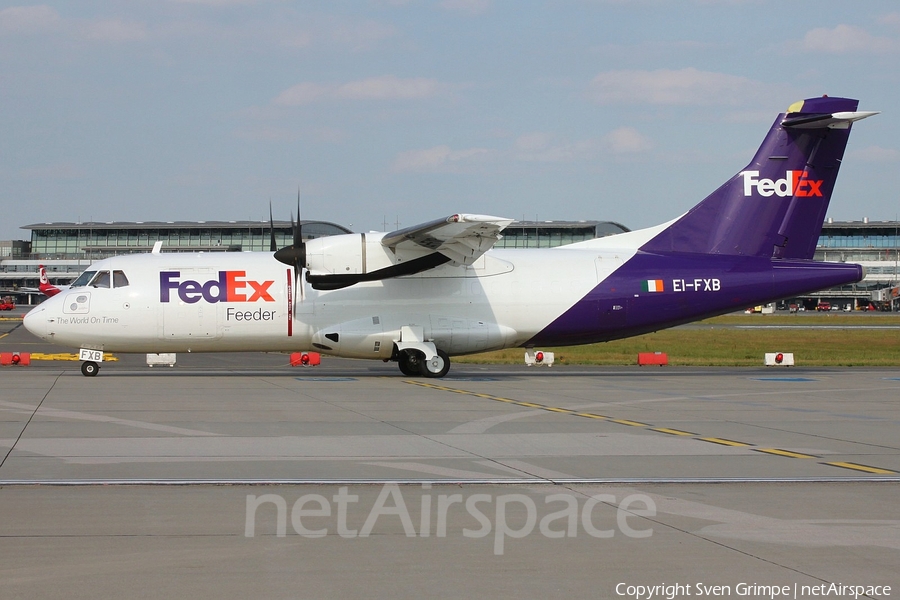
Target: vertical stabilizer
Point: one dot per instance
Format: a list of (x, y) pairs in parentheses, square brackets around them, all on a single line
[(776, 205)]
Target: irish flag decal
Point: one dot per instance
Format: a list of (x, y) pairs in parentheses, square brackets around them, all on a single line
[(654, 285)]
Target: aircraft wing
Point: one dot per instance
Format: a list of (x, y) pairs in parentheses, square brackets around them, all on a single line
[(462, 238)]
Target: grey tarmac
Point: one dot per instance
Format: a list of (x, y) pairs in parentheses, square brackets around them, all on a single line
[(235, 475)]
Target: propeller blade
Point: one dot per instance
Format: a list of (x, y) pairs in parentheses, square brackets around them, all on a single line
[(273, 247), (301, 246), (291, 255), (298, 285), (295, 254), (298, 232)]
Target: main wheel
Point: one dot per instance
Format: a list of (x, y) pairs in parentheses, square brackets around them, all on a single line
[(437, 366), (410, 363), (89, 368)]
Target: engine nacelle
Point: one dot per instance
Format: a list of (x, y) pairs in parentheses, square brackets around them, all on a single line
[(336, 254), (354, 254)]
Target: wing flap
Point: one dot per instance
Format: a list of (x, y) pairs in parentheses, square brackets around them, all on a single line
[(462, 237)]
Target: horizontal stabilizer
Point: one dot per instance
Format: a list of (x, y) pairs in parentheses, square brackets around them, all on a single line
[(838, 120)]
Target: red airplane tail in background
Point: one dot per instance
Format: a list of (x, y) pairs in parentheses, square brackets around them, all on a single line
[(47, 288)]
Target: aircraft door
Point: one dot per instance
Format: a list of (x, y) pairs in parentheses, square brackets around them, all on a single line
[(189, 321)]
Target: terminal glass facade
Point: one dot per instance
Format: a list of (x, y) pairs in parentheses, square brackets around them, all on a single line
[(550, 234), (99, 240), (862, 238), (875, 245)]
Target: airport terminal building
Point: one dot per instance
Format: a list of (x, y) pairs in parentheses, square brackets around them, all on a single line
[(66, 249), (873, 244)]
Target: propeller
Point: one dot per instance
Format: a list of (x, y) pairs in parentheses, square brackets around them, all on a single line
[(273, 247), (295, 254)]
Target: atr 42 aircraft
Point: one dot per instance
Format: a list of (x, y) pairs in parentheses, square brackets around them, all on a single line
[(422, 294)]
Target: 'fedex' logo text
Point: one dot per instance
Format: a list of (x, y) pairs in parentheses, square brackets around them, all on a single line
[(795, 183), (231, 286)]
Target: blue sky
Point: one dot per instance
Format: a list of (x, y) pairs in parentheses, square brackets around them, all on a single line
[(405, 111)]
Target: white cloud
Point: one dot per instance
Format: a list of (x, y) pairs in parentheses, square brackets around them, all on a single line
[(627, 140), (303, 93), (294, 31), (845, 39), (388, 88), (375, 88), (547, 148), (528, 148), (439, 158), (29, 19), (682, 87), (45, 20)]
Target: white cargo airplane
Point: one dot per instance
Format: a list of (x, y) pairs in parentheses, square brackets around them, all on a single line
[(420, 295)]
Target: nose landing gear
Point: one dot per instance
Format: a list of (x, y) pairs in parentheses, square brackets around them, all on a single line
[(89, 368)]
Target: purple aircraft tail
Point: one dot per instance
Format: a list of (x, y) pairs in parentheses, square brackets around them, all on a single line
[(775, 206)]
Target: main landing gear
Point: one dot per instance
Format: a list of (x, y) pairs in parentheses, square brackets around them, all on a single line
[(413, 363)]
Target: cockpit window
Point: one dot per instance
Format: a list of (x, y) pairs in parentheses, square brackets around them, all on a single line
[(101, 280), (119, 279), (83, 279)]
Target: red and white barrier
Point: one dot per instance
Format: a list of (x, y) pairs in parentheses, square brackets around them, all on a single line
[(653, 358), (306, 359), (779, 359), (15, 358), (538, 357)]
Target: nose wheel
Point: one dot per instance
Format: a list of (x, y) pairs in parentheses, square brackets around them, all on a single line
[(89, 368)]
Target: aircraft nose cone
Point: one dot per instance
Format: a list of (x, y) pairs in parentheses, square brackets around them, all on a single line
[(36, 322)]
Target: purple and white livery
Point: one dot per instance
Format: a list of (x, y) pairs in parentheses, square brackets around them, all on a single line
[(422, 294)]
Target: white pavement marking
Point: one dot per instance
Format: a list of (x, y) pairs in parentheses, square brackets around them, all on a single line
[(379, 447), (482, 425), (736, 524), (80, 416)]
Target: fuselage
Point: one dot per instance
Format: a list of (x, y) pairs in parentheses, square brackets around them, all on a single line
[(587, 292), (243, 302)]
